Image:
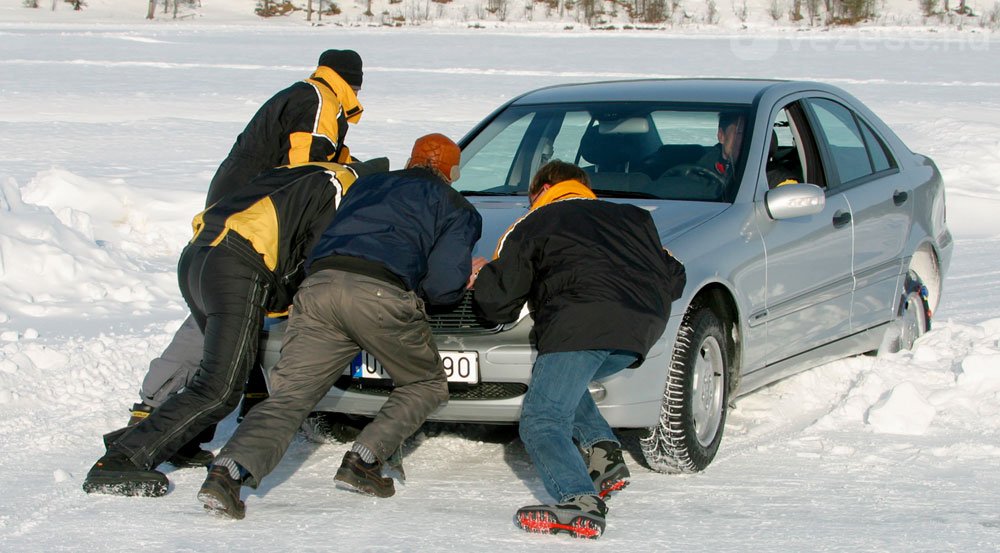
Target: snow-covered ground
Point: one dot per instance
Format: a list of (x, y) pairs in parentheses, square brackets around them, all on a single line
[(109, 136)]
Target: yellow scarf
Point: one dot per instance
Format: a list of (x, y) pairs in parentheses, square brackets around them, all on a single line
[(565, 190)]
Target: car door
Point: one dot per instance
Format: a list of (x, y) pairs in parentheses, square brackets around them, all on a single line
[(864, 171), (808, 259)]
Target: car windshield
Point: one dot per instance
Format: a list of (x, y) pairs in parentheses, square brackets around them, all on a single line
[(629, 150)]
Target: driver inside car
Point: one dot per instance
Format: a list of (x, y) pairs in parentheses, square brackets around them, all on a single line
[(721, 158)]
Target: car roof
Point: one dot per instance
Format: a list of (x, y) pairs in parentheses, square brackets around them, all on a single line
[(723, 91)]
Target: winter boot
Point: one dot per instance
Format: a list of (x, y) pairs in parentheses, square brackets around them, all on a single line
[(254, 392), (580, 517), (191, 455), (607, 468), (356, 475), (116, 474), (138, 413), (221, 493)]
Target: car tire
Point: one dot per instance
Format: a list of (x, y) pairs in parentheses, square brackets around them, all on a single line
[(693, 412), (913, 317)]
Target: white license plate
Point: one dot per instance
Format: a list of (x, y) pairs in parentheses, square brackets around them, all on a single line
[(459, 366)]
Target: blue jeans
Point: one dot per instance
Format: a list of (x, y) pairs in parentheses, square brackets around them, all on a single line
[(558, 408)]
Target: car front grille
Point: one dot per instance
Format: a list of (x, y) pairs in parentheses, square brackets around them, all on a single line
[(459, 319), (474, 392)]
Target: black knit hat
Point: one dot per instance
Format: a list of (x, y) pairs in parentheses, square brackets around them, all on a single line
[(347, 64)]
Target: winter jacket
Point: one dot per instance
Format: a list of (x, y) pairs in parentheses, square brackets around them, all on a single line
[(593, 273), (408, 223), (279, 214), (304, 122)]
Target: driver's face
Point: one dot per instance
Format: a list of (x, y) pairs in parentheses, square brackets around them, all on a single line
[(731, 139)]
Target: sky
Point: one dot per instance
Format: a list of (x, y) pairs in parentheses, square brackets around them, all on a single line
[(110, 134)]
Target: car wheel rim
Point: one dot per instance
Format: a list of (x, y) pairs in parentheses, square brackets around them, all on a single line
[(707, 390), (914, 320)]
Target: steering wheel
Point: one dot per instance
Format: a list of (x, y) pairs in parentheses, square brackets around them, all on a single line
[(697, 172)]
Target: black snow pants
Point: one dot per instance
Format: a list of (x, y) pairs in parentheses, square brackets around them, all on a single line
[(227, 288)]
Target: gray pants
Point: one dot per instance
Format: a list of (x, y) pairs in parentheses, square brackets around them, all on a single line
[(175, 367), (335, 314)]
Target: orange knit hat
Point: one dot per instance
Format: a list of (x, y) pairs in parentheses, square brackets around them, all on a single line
[(437, 151)]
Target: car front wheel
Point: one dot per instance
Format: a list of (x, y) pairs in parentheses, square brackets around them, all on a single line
[(693, 412), (912, 317)]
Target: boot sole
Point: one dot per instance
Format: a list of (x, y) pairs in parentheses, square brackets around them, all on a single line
[(347, 480), (217, 504), (609, 487), (126, 484), (545, 522)]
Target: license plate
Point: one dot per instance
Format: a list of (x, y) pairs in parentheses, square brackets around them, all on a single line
[(459, 366)]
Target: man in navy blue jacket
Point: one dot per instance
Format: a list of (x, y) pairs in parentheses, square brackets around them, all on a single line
[(399, 240)]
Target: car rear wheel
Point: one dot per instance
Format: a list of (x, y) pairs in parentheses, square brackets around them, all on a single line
[(693, 412), (912, 317)]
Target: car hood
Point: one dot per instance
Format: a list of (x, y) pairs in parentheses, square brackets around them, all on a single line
[(672, 217)]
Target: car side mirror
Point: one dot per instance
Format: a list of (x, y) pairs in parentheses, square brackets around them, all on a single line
[(794, 200)]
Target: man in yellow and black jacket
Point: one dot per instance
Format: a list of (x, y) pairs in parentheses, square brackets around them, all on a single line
[(245, 261), (303, 123), (306, 122)]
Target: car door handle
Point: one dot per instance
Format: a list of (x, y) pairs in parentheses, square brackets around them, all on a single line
[(899, 197), (841, 218)]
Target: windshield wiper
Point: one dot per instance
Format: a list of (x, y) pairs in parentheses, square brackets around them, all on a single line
[(624, 194), (488, 193)]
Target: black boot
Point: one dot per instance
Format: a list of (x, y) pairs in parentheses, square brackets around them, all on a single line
[(254, 392), (116, 474), (191, 455)]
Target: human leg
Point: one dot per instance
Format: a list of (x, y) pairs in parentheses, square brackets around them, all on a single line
[(314, 353), (558, 386), (232, 296), (390, 324), (601, 448)]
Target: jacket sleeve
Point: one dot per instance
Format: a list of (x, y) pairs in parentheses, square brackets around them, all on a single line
[(450, 260), (674, 273), (504, 284)]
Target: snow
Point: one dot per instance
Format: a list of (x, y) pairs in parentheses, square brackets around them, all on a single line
[(110, 134)]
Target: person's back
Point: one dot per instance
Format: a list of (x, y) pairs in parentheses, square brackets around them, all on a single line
[(577, 260), (601, 259), (395, 219), (305, 122)]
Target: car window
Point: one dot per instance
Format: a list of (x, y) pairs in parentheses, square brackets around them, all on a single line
[(882, 159), (629, 150), (844, 137), (567, 141), (786, 157), (493, 157), (687, 127)]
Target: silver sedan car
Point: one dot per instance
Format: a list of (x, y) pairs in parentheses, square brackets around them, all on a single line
[(809, 232)]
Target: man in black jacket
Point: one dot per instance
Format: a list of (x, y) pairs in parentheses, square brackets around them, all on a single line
[(599, 286), (303, 123), (400, 239), (244, 261)]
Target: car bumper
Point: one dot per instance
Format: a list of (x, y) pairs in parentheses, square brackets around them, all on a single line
[(629, 399)]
